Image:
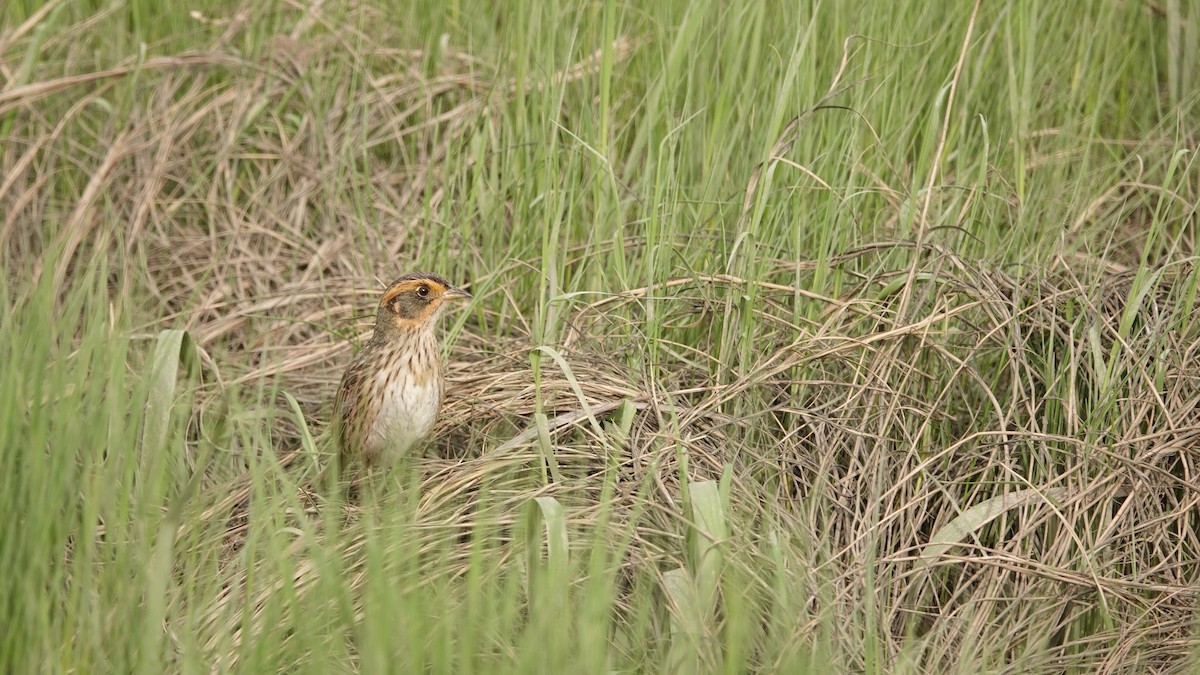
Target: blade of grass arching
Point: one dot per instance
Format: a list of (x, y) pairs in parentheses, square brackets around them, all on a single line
[(549, 461), (710, 531), (306, 439), (1144, 281), (545, 522), (550, 594), (158, 577), (599, 591), (1191, 288), (173, 348), (215, 433), (683, 656), (693, 595), (570, 375), (1167, 202), (625, 417), (955, 531)]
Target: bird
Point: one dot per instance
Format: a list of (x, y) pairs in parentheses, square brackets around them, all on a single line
[(391, 393)]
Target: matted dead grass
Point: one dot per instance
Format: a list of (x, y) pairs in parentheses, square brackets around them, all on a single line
[(870, 436)]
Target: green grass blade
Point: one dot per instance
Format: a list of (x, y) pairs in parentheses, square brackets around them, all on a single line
[(687, 622), (306, 437), (172, 348), (958, 529), (547, 545), (708, 539)]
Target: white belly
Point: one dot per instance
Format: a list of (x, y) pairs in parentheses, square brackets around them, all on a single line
[(405, 417)]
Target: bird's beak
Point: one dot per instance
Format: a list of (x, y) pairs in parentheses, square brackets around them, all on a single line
[(456, 293)]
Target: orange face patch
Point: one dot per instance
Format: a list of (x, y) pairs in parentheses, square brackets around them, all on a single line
[(410, 285)]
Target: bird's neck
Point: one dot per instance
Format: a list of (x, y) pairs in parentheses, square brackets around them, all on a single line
[(389, 328)]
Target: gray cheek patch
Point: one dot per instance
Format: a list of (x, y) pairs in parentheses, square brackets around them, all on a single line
[(409, 305)]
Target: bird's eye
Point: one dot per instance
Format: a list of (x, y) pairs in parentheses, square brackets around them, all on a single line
[(423, 291)]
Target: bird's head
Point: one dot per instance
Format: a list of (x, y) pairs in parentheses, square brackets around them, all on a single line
[(414, 301)]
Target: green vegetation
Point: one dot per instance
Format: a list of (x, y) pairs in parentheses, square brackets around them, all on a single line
[(808, 337)]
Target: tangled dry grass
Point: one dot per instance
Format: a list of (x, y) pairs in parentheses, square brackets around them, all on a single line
[(1063, 401), (878, 436)]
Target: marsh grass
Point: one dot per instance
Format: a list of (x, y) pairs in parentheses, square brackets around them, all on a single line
[(807, 337)]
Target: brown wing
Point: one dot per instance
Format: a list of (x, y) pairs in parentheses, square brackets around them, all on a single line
[(348, 410)]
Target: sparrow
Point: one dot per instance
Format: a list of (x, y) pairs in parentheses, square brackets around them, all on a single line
[(391, 392)]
